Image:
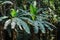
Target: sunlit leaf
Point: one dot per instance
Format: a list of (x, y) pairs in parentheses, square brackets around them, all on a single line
[(41, 26), (13, 24), (36, 27), (7, 2), (7, 23), (28, 20), (18, 23), (24, 25), (4, 17), (13, 12), (33, 11)]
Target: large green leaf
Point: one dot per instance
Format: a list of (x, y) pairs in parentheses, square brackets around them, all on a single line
[(36, 26), (29, 21), (24, 25), (18, 23), (33, 11), (41, 26), (13, 23), (7, 23), (4, 17)]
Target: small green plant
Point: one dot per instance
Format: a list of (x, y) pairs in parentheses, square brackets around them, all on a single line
[(33, 10), (39, 20), (15, 20)]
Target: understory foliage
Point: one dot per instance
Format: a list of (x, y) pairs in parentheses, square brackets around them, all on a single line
[(27, 14)]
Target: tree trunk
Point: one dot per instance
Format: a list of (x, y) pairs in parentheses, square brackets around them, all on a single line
[(32, 34), (1, 32), (14, 35)]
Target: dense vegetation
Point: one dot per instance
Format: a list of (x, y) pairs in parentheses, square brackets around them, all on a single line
[(29, 19)]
